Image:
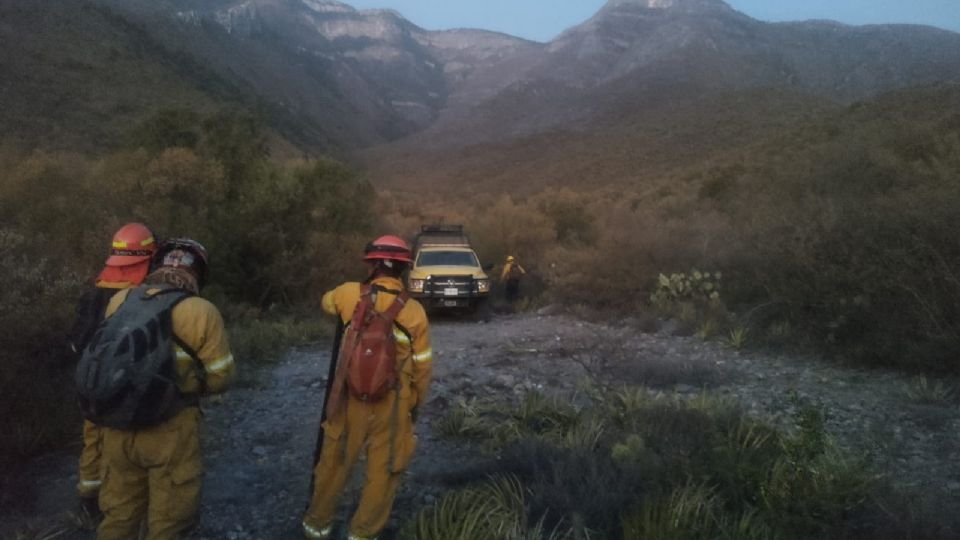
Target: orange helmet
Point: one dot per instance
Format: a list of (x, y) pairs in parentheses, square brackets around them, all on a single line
[(388, 247), (133, 243)]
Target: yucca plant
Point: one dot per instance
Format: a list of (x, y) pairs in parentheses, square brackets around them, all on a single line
[(686, 513), (495, 510), (584, 435), (463, 421), (540, 414), (693, 512), (780, 330), (707, 329), (50, 532), (922, 390)]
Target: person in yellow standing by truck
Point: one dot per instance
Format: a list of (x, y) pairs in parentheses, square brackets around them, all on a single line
[(377, 417), (151, 442), (510, 278), (131, 251)]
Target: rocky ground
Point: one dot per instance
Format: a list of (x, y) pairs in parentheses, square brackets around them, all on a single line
[(260, 436)]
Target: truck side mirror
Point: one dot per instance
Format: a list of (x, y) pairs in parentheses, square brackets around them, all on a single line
[(487, 267)]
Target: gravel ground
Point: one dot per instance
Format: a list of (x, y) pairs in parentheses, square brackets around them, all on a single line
[(260, 436)]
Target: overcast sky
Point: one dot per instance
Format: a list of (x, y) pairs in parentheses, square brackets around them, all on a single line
[(541, 20)]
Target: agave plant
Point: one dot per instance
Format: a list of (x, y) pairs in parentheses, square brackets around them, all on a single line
[(737, 338), (922, 390)]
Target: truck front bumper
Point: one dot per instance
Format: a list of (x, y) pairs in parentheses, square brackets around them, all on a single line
[(450, 292)]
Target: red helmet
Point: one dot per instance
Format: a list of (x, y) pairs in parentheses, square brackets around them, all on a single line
[(185, 253), (388, 247), (133, 243)]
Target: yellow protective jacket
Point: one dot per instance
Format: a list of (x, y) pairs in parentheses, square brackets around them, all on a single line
[(411, 331), (199, 325), (507, 268), (381, 430)]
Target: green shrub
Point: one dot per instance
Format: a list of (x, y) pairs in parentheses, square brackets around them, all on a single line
[(278, 235), (857, 249), (35, 380), (640, 465), (263, 340)]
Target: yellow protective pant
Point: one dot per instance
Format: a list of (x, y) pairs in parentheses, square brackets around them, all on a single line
[(151, 474), (90, 473), (385, 430)]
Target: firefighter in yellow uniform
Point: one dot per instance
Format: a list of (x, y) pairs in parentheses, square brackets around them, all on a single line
[(385, 427), (127, 266), (155, 473), (510, 278)]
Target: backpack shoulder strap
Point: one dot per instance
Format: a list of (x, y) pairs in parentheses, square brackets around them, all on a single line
[(364, 304), (391, 313), (172, 302), (90, 313)]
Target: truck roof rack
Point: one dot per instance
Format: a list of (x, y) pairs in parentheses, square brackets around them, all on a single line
[(441, 229), (441, 235)]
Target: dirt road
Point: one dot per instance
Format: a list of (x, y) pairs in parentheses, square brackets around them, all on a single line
[(260, 437)]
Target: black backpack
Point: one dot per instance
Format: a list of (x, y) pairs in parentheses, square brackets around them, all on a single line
[(90, 310), (126, 377)]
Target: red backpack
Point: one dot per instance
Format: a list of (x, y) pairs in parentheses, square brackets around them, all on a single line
[(368, 353)]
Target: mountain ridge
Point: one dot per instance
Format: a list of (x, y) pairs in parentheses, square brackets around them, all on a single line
[(332, 78)]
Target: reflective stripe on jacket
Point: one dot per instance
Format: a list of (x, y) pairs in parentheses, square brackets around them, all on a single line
[(199, 325)]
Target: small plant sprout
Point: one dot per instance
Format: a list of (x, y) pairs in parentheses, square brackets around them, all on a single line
[(737, 338)]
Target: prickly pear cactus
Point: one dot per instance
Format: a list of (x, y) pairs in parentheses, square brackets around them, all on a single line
[(696, 286)]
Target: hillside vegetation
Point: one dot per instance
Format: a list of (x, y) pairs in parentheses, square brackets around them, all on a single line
[(712, 185), (831, 229), (278, 233), (79, 92), (634, 464)]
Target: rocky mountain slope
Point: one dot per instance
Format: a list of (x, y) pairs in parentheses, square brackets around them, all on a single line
[(635, 52), (646, 89), (328, 77)]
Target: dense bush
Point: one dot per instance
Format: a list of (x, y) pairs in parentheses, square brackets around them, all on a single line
[(860, 249), (35, 309), (278, 234), (840, 237)]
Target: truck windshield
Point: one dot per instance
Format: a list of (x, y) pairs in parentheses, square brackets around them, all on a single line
[(447, 258)]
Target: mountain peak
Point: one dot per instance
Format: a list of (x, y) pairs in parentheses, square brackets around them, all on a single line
[(328, 6), (684, 5)]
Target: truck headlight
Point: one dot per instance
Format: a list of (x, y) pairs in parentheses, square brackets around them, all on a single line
[(416, 285), (483, 285)]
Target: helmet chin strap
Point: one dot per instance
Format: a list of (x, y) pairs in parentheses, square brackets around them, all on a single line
[(380, 267)]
